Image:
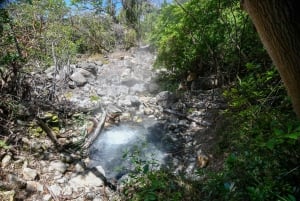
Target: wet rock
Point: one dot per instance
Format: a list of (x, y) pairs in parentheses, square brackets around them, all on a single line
[(125, 116), (29, 174)]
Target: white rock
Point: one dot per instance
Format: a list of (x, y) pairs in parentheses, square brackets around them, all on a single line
[(78, 168), (5, 160), (34, 186), (47, 197), (55, 189), (58, 166), (67, 191), (87, 180), (29, 174)]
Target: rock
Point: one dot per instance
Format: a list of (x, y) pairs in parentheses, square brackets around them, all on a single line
[(165, 99), (98, 63), (85, 73), (5, 160), (202, 160), (67, 191), (55, 189), (58, 166), (72, 84), (153, 88), (79, 168), (183, 123), (78, 78), (85, 180), (91, 67), (126, 116), (47, 197), (29, 174), (15, 181), (34, 186), (137, 88), (7, 195)]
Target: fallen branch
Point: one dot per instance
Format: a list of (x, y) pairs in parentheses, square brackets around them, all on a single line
[(201, 123), (96, 132), (49, 133)]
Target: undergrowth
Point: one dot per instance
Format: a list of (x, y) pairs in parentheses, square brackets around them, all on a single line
[(260, 133)]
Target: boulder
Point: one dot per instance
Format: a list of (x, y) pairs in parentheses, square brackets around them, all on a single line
[(90, 67), (165, 99), (79, 79)]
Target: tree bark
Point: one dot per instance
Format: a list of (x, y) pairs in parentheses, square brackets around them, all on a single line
[(278, 25)]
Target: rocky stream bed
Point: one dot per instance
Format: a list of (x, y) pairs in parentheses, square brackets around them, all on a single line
[(174, 129)]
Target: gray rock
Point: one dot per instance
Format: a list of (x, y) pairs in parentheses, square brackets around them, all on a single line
[(90, 67), (153, 88), (78, 78), (29, 174), (165, 99), (137, 88)]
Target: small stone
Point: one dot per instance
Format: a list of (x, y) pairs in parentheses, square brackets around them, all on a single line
[(85, 180), (67, 191), (29, 174), (47, 197), (79, 168), (55, 189), (5, 160), (33, 186), (58, 166)]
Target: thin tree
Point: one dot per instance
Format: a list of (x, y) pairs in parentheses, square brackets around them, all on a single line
[(278, 25)]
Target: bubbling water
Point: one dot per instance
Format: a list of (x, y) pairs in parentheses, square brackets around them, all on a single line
[(108, 150)]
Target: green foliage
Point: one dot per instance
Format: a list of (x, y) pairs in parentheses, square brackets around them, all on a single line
[(262, 136), (205, 36), (146, 182), (130, 38)]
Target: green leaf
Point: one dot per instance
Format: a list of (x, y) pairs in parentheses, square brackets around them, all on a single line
[(293, 136), (146, 169)]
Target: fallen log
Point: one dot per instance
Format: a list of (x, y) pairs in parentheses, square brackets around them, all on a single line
[(96, 132), (49, 133)]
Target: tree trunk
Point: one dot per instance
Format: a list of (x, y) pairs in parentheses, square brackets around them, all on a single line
[(278, 25)]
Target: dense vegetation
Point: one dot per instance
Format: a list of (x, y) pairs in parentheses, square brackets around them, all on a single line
[(258, 131)]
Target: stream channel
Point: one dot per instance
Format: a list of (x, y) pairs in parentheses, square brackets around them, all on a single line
[(127, 86)]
